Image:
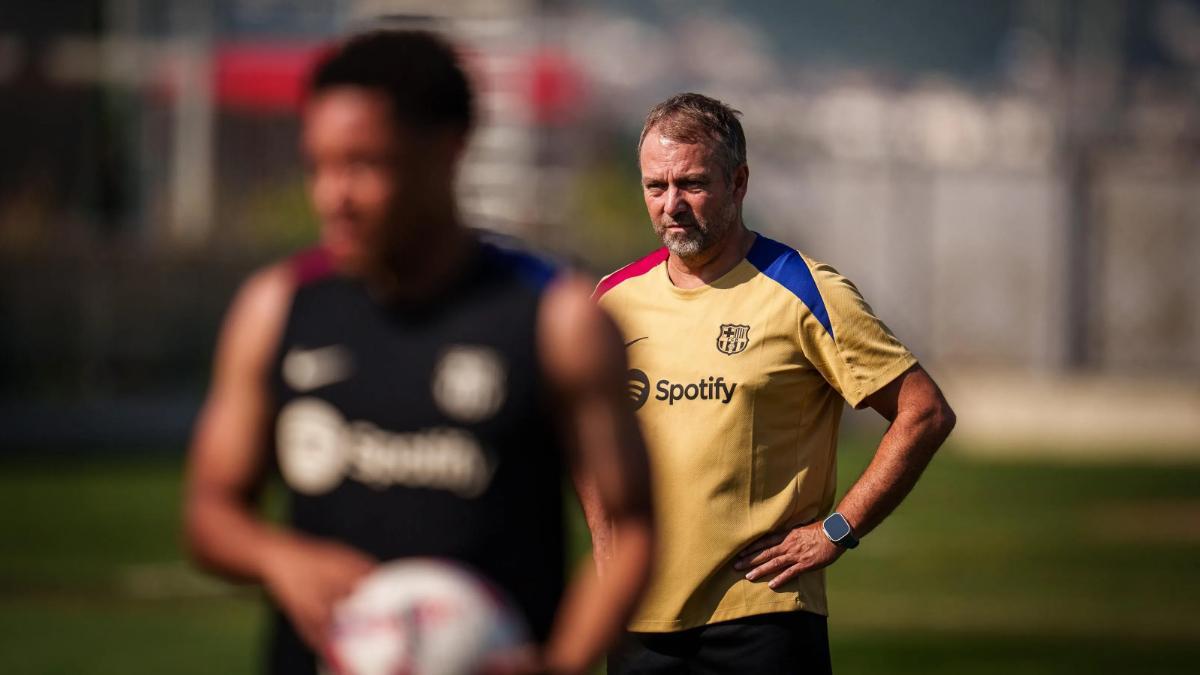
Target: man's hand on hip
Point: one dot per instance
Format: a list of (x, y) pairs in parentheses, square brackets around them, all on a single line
[(781, 556)]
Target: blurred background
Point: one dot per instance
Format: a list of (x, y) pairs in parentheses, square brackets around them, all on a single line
[(1014, 185)]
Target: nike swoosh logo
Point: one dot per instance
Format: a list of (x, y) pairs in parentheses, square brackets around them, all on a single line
[(308, 369), (637, 340)]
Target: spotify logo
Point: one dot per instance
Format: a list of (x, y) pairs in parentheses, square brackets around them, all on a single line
[(639, 388)]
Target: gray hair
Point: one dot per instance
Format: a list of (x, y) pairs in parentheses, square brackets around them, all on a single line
[(696, 118)]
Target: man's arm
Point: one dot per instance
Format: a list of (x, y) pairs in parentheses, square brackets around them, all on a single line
[(921, 419), (226, 463), (585, 361), (598, 523)]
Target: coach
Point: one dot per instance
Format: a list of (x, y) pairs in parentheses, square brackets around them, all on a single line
[(742, 351)]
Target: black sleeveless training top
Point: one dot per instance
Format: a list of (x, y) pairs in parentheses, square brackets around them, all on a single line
[(423, 431)]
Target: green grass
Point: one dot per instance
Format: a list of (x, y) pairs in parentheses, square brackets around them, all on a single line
[(1019, 567), (989, 567), (91, 578)]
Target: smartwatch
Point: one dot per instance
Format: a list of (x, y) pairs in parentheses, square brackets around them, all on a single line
[(838, 529)]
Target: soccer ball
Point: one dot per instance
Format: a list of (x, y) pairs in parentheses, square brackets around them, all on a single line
[(423, 617)]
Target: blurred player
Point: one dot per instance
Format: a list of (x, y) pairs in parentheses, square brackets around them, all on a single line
[(742, 352), (420, 390)]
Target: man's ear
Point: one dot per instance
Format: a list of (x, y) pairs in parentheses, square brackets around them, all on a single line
[(741, 179)]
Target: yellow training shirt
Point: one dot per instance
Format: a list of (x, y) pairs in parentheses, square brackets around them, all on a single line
[(739, 387)]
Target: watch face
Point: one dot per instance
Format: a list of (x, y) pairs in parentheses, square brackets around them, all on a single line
[(836, 526)]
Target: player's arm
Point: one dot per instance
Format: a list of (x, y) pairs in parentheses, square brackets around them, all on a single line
[(226, 464), (585, 363), (921, 419), (598, 523)]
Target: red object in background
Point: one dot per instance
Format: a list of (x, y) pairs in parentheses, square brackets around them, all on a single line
[(555, 87), (263, 77), (547, 82), (270, 78)]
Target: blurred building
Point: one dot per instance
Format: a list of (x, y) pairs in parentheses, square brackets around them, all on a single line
[(148, 145), (1011, 182)]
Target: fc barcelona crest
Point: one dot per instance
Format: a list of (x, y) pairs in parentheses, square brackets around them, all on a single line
[(733, 338)]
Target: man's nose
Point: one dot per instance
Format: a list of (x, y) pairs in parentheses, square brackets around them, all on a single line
[(332, 186), (675, 204)]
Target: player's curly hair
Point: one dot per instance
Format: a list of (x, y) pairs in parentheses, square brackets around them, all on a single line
[(696, 118), (416, 69)]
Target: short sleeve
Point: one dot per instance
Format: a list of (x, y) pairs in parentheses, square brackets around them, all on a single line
[(855, 352)]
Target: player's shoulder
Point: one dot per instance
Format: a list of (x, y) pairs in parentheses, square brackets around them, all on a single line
[(268, 291), (567, 302), (777, 259), (271, 284), (634, 270), (575, 334), (513, 256), (795, 273), (258, 313), (305, 267), (789, 265)]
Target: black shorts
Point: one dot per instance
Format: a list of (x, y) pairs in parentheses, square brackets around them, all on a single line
[(770, 644)]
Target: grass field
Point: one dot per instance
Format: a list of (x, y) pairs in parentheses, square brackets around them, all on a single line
[(988, 568)]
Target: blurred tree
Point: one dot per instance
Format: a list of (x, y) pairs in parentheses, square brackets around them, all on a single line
[(611, 225), (277, 216)]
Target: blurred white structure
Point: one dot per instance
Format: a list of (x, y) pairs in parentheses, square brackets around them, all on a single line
[(1003, 233), (1041, 226)]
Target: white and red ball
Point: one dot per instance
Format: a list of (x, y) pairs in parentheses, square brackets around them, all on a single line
[(423, 617)]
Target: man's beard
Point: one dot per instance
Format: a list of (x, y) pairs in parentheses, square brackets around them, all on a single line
[(698, 235)]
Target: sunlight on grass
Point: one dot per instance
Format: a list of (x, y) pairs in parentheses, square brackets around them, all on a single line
[(988, 568)]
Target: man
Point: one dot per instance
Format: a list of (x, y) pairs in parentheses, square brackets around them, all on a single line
[(419, 390), (742, 351)]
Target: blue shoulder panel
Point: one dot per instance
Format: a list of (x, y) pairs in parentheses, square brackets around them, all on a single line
[(784, 265), (534, 270)]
